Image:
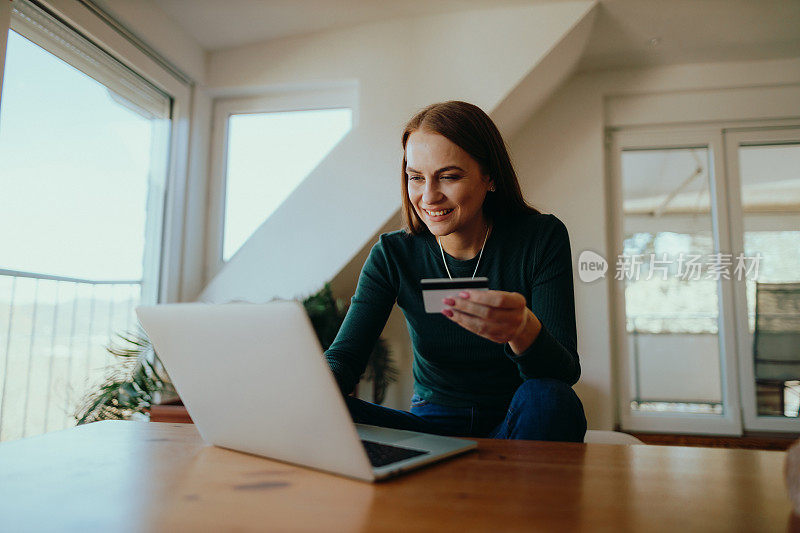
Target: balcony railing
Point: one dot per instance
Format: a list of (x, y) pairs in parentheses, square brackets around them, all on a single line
[(665, 335), (53, 334)]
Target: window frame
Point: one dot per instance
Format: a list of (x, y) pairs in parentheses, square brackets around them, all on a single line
[(734, 138), (729, 423), (79, 17), (338, 96), (727, 229)]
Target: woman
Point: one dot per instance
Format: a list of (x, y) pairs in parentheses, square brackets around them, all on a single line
[(497, 363)]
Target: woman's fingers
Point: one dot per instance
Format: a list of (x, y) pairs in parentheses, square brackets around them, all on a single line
[(495, 315), (478, 326), (481, 310), (503, 299)]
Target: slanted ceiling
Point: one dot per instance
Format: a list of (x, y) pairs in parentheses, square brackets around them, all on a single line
[(507, 58), (490, 58), (223, 24)]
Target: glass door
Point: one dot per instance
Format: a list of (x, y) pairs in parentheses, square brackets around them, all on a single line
[(763, 168), (674, 338)]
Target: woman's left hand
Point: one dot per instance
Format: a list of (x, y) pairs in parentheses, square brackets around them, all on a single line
[(499, 316)]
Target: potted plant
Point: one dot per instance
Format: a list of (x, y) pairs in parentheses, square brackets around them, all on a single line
[(132, 386), (138, 381)]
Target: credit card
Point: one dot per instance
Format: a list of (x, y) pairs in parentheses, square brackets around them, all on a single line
[(435, 290)]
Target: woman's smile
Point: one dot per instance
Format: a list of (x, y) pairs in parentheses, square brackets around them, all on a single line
[(438, 214)]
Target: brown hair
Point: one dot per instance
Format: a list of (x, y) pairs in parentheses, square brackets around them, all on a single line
[(467, 126), (471, 129)]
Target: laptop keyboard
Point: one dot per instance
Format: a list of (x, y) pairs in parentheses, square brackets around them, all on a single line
[(385, 454)]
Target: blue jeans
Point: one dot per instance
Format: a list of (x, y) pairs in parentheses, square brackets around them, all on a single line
[(541, 409)]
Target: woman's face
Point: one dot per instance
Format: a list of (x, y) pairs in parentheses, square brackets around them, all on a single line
[(445, 184)]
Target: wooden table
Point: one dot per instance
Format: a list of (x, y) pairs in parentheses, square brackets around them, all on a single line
[(139, 476)]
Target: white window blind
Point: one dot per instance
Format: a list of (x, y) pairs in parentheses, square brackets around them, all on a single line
[(124, 85)]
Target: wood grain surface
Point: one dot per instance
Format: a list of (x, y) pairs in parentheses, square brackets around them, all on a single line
[(139, 476)]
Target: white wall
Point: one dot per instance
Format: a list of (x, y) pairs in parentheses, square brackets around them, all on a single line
[(560, 158), (399, 66)]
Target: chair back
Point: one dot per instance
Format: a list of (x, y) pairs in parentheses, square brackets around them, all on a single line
[(609, 437), (776, 342)]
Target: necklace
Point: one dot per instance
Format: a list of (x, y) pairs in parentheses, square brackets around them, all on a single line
[(479, 255)]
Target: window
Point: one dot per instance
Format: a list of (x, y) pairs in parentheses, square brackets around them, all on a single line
[(763, 167), (268, 156), (78, 162), (85, 144), (707, 216), (670, 312), (263, 149)]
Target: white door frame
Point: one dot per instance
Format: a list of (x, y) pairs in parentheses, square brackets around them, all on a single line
[(730, 422), (734, 138)]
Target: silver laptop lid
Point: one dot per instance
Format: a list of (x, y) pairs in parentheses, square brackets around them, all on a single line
[(254, 379)]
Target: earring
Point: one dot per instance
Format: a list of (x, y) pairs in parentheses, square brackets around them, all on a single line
[(491, 188)]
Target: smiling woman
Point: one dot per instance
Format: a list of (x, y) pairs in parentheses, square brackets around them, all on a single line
[(499, 362)]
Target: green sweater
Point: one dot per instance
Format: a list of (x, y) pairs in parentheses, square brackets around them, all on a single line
[(528, 254)]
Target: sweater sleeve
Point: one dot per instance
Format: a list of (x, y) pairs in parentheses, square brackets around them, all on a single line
[(553, 353), (369, 310)]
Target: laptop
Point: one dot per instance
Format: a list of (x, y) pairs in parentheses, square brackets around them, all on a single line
[(254, 379)]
